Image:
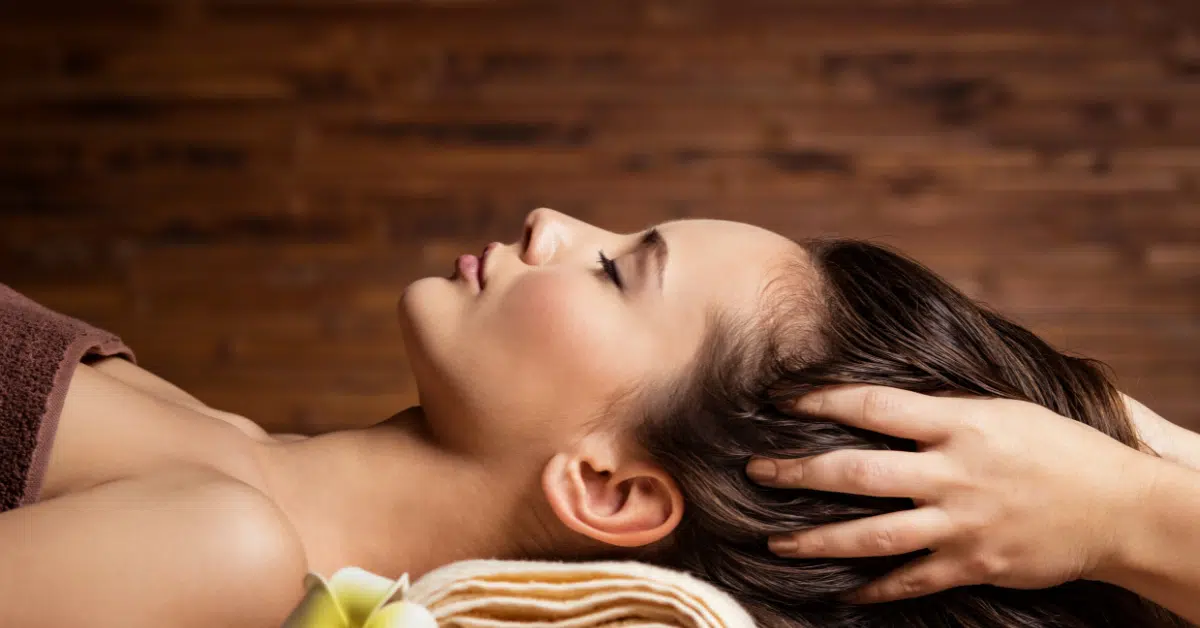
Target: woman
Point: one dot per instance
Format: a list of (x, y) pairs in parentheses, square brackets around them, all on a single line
[(584, 394)]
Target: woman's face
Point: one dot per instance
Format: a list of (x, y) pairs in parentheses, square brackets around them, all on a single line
[(522, 358)]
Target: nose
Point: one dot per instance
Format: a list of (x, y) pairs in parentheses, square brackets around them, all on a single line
[(546, 233), (553, 237)]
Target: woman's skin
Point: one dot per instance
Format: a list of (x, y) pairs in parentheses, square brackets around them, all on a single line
[(1008, 493), (207, 520)]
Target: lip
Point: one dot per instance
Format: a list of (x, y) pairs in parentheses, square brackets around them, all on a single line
[(468, 267), (483, 260)]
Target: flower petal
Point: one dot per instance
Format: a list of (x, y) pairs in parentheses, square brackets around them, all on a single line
[(402, 615), (318, 609), (359, 592)]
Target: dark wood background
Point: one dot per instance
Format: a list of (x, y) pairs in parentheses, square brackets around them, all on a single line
[(241, 188)]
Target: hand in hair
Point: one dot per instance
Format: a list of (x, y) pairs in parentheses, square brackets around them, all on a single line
[(1030, 501)]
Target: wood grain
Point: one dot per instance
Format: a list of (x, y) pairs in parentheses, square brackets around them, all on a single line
[(241, 188)]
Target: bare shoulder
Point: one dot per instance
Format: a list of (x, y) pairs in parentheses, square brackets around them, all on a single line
[(247, 527), (244, 545), (188, 547)]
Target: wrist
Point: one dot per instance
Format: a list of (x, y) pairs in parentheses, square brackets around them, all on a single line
[(1121, 518), (1126, 536)]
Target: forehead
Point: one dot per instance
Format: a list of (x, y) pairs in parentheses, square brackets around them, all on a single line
[(723, 264), (714, 266)]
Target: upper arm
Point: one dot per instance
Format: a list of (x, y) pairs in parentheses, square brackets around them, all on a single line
[(186, 549)]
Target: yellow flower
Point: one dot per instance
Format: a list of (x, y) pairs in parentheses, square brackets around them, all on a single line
[(356, 598)]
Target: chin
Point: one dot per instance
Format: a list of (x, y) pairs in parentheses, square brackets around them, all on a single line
[(426, 302), (427, 312), (417, 311), (416, 294)]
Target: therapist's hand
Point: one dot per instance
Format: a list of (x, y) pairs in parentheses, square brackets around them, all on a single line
[(1008, 493)]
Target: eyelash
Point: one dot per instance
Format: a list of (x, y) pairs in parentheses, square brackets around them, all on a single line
[(610, 269)]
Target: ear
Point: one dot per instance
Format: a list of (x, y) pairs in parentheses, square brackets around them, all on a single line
[(598, 493)]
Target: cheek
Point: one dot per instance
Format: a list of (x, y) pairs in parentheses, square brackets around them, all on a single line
[(566, 330)]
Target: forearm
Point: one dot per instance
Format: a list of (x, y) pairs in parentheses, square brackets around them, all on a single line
[(1158, 540), (1181, 446), (1164, 438)]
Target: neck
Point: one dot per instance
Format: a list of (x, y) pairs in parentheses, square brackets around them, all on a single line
[(389, 500)]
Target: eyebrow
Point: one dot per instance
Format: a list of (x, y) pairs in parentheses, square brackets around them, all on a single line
[(654, 242)]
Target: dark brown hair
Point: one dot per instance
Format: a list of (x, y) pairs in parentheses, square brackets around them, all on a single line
[(854, 312)]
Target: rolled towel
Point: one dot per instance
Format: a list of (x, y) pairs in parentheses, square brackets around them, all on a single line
[(501, 594), (527, 594)]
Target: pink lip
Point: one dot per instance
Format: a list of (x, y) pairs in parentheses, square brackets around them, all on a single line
[(483, 259), (474, 268), (468, 267)]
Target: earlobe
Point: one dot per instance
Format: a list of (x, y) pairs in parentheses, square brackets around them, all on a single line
[(626, 504)]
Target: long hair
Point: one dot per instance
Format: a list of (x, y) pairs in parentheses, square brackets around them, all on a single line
[(854, 312)]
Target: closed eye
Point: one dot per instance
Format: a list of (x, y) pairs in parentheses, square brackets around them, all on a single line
[(610, 269)]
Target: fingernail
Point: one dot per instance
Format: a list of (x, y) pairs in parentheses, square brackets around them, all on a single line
[(810, 403), (782, 544), (762, 470)]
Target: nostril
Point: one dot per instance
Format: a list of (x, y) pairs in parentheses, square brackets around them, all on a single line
[(527, 238)]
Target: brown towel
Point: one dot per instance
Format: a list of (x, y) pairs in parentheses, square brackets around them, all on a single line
[(39, 349)]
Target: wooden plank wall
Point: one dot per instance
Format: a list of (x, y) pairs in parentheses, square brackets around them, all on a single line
[(241, 188)]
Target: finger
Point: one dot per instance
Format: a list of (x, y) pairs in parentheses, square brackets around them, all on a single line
[(885, 410), (923, 576), (882, 535), (881, 473)]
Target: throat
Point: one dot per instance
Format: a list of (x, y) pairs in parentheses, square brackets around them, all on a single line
[(389, 500)]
